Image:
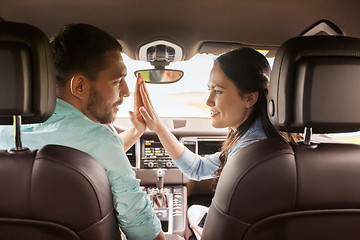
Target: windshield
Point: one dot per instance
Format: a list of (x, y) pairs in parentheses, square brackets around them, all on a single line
[(185, 98)]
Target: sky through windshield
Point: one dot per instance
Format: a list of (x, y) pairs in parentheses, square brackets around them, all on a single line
[(185, 98)]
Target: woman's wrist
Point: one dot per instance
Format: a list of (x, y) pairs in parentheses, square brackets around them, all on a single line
[(161, 129)]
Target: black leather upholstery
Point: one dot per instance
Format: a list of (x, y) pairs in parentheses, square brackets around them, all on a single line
[(287, 192), (274, 190), (56, 192), (313, 81)]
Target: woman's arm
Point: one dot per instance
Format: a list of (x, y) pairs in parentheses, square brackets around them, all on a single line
[(174, 148)]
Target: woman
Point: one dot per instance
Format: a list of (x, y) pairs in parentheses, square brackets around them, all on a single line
[(238, 88)]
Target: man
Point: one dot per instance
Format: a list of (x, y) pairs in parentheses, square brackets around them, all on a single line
[(90, 87)]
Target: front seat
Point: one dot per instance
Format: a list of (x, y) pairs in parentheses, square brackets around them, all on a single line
[(55, 192), (276, 190)]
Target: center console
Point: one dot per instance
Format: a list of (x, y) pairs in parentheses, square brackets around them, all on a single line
[(172, 217), (152, 164), (169, 201)]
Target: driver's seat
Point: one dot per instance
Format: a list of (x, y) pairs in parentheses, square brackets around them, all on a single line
[(55, 192)]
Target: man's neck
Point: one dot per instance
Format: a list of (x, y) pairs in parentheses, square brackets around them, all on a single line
[(78, 104)]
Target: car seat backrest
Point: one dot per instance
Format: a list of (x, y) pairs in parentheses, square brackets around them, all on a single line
[(314, 83), (276, 190), (55, 192), (27, 85)]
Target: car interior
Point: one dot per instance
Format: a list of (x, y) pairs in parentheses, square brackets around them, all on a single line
[(271, 189)]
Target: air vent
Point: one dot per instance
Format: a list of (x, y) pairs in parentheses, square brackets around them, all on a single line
[(131, 156)]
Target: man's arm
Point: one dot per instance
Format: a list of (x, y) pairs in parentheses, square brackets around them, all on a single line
[(161, 236), (130, 136), (136, 217)]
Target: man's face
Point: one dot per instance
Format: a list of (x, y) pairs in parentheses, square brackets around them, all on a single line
[(108, 90)]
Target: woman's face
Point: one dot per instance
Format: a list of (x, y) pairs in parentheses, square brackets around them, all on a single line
[(228, 108)]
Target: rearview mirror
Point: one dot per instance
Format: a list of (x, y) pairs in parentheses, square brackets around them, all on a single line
[(160, 75)]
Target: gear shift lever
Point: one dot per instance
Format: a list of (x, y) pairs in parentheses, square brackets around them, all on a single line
[(160, 174), (160, 200)]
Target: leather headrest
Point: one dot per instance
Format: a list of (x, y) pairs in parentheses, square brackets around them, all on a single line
[(27, 74), (315, 83)]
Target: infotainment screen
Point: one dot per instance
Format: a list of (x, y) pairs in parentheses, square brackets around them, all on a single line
[(209, 147), (154, 149), (154, 155), (203, 145)]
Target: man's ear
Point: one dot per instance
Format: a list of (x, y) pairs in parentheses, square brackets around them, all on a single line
[(79, 86), (251, 99)]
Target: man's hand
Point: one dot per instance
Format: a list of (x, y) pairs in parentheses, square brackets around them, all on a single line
[(131, 135), (136, 117), (137, 98), (139, 125), (147, 110)]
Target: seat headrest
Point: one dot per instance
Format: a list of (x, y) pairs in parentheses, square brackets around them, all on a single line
[(27, 74), (315, 83)]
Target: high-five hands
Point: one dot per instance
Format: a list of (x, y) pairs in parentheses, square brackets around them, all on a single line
[(171, 144), (147, 110), (136, 117)]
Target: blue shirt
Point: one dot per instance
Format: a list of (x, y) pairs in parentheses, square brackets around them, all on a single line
[(198, 168), (69, 127)]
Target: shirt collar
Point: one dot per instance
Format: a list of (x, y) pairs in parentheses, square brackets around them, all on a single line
[(63, 107), (255, 127)]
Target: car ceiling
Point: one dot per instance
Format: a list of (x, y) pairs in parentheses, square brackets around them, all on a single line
[(258, 23)]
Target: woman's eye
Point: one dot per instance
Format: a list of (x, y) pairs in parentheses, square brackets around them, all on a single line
[(214, 91)]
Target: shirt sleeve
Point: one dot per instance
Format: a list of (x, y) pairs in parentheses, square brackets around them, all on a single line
[(197, 167), (134, 210)]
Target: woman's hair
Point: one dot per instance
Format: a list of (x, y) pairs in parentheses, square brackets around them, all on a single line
[(249, 71)]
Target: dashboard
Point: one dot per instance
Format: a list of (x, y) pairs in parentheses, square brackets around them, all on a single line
[(196, 134), (148, 152)]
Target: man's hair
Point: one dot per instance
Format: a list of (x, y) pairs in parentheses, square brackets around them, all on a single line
[(81, 48)]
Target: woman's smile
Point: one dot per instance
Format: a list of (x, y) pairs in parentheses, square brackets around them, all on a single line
[(214, 113)]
